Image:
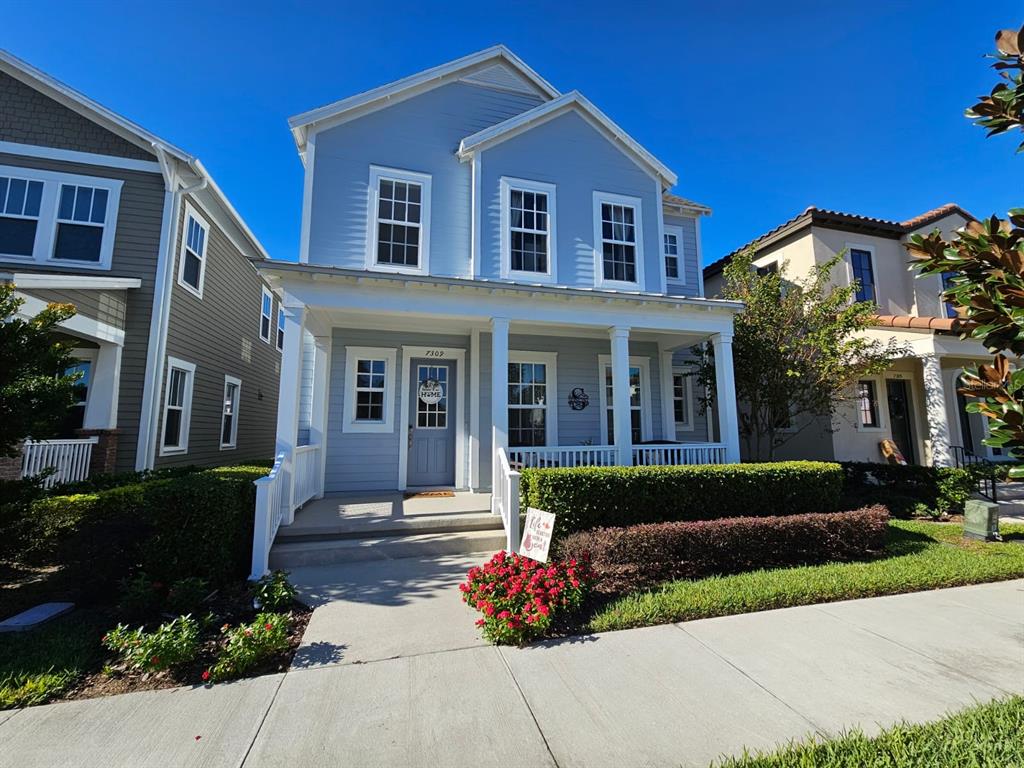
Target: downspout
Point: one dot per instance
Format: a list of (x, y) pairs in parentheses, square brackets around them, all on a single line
[(149, 416)]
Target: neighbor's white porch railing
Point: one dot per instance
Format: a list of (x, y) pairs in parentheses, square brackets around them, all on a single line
[(673, 455), (506, 499), (69, 458), (563, 456)]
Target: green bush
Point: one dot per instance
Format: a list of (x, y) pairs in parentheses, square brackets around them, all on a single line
[(589, 497), (909, 489), (274, 592), (249, 645), (170, 644)]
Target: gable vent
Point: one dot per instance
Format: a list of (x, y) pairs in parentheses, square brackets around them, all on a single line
[(502, 77)]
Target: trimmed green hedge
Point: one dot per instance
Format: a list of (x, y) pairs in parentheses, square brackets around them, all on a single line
[(909, 489), (199, 524), (591, 497)]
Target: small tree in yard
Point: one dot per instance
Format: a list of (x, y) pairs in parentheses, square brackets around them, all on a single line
[(984, 267), (35, 393), (797, 351)]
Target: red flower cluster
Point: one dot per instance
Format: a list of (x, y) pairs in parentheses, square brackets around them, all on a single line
[(517, 596)]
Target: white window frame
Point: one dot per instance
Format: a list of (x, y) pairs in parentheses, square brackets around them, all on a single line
[(638, 216), (677, 231), (183, 244), (646, 418), (550, 362), (353, 354), (46, 228), (881, 409), (186, 408), (687, 374), (233, 443), (279, 329), (266, 294), (507, 185), (377, 173), (850, 247)]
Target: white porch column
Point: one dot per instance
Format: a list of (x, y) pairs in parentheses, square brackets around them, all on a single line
[(474, 409), (320, 399), (935, 407), (288, 401), (725, 397), (621, 417), (499, 393)]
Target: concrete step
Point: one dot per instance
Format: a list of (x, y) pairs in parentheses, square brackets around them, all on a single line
[(295, 554), (378, 526)]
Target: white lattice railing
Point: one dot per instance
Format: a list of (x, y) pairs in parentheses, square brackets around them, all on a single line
[(307, 474), (673, 455), (506, 499), (271, 506), (563, 456), (69, 459)]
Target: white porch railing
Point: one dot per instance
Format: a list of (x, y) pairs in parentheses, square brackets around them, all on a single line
[(506, 499), (563, 456), (70, 459), (673, 455), (307, 474)]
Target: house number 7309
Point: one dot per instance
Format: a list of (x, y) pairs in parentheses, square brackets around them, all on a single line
[(435, 353)]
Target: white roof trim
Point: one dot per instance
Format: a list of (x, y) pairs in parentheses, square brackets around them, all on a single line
[(573, 100), (75, 282), (299, 123)]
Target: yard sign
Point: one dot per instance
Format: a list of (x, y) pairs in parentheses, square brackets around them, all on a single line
[(537, 534)]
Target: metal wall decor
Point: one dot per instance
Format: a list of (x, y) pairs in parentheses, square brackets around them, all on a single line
[(578, 399)]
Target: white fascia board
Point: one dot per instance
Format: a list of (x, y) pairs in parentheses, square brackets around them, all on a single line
[(539, 115), (58, 281), (432, 77), (678, 209)]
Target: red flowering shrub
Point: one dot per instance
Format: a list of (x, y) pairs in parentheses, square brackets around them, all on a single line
[(518, 597)]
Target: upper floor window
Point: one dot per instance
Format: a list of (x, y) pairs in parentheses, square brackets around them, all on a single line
[(947, 282), (528, 230), (619, 243), (280, 328), (399, 224), (863, 273), (192, 267), (57, 217), (266, 313), (673, 246), (771, 268)]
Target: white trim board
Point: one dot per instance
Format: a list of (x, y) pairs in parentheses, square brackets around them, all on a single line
[(61, 280), (461, 429), (74, 156)]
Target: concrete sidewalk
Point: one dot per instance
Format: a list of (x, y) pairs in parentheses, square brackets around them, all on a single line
[(671, 695)]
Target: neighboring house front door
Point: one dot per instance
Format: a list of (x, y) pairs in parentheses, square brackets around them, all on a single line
[(901, 417), (431, 431)]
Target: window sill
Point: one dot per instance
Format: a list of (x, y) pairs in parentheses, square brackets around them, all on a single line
[(368, 428), (173, 451), (229, 447), (198, 293), (397, 270), (862, 428), (74, 264), (617, 285)]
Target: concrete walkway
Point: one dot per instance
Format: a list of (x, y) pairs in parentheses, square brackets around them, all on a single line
[(664, 696)]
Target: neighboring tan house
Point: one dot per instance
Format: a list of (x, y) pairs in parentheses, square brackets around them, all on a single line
[(177, 336), (492, 274), (915, 403)]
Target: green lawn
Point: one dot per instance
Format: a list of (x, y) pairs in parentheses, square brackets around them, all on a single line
[(985, 736), (919, 555), (38, 665)]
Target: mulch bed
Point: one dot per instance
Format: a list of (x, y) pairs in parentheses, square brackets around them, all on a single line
[(231, 608)]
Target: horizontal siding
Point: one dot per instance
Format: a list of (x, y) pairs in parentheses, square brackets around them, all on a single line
[(220, 335), (691, 269), (420, 134), (108, 307)]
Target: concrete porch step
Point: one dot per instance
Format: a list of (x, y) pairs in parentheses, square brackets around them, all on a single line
[(294, 554), (379, 526)]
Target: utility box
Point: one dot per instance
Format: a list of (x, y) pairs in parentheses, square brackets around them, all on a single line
[(981, 520)]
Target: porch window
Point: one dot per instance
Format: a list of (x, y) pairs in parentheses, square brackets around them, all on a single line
[(527, 404), (863, 273), (83, 365), (867, 403), (266, 312), (682, 401), (369, 389), (400, 210), (81, 217), (635, 404), (192, 268), (673, 247), (177, 406), (229, 412), (19, 215)]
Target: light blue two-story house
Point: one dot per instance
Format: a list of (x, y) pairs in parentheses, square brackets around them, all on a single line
[(492, 275)]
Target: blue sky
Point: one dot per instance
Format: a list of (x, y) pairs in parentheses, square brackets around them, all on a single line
[(761, 108)]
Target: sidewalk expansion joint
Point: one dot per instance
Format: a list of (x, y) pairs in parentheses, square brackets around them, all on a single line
[(526, 703), (263, 720)]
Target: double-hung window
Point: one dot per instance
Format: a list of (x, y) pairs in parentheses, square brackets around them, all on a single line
[(60, 218), (20, 201), (619, 242), (266, 313), (177, 406), (863, 272), (192, 267), (639, 399), (527, 230), (867, 404), (399, 224), (682, 401), (369, 389), (229, 412), (531, 390), (673, 246), (280, 328)]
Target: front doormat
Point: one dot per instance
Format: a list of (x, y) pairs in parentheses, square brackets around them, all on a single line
[(430, 495)]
